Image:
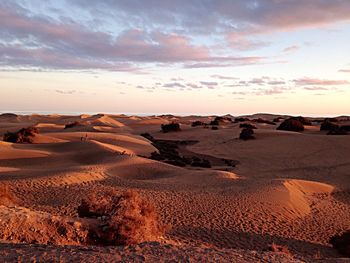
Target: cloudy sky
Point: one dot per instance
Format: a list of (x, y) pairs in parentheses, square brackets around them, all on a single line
[(175, 56)]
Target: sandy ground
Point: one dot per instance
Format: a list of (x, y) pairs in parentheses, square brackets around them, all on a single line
[(289, 188)]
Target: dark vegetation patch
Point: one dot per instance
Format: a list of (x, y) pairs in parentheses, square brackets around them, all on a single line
[(327, 125), (291, 124), (345, 128), (170, 127), (342, 243), (176, 153), (334, 129), (198, 123), (241, 119), (247, 134), (220, 120), (303, 120), (24, 135)]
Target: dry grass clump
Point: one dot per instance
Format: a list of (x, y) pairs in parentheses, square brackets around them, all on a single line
[(342, 243), (123, 219), (6, 197), (24, 135)]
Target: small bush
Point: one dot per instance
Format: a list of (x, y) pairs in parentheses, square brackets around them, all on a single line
[(342, 243), (291, 125), (328, 126), (247, 134), (303, 120), (171, 127), (71, 125), (241, 119), (124, 219), (198, 123), (214, 123), (345, 128), (24, 135)]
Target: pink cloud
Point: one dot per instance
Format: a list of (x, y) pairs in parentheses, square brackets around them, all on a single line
[(320, 82)]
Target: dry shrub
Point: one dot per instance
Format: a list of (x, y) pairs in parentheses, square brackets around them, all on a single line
[(24, 135), (171, 127), (247, 134), (278, 248), (328, 126), (6, 197), (198, 123), (291, 125), (123, 219)]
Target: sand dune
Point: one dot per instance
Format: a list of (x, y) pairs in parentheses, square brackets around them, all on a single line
[(288, 187)]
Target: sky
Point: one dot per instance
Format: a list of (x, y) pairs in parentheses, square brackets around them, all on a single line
[(175, 56)]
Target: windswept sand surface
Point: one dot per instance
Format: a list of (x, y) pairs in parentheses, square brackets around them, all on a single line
[(289, 188)]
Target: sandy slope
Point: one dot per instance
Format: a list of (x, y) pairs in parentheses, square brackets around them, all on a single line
[(289, 188)]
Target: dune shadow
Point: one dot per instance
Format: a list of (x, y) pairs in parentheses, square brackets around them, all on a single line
[(250, 241)]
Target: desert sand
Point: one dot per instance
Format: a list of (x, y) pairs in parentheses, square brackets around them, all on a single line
[(286, 188)]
